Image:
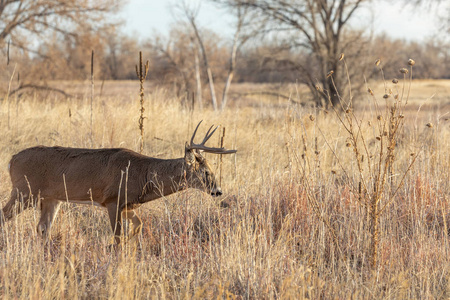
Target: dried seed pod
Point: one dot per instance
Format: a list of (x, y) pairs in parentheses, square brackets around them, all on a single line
[(316, 152), (429, 125), (379, 117), (341, 57), (330, 73), (378, 138), (348, 144), (412, 154), (377, 62), (404, 71), (348, 110), (385, 96), (401, 116), (395, 81), (333, 172), (311, 117), (411, 62), (370, 91)]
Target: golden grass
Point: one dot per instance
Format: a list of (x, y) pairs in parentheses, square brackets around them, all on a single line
[(269, 243)]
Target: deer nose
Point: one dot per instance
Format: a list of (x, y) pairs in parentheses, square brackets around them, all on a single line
[(217, 192)]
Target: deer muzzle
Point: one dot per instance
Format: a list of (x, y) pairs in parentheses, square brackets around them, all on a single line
[(216, 192)]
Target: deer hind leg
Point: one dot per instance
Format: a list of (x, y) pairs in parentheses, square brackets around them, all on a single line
[(49, 209), (115, 217), (17, 203), (135, 220)]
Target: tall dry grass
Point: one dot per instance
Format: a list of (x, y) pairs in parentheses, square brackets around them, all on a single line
[(270, 241)]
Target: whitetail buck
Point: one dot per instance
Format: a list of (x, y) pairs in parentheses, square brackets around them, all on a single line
[(97, 176)]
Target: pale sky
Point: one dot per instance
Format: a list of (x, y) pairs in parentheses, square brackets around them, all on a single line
[(145, 17)]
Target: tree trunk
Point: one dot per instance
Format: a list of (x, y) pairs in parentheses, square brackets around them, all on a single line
[(207, 67), (198, 79), (230, 73)]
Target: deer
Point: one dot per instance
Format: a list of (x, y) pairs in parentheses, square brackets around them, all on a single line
[(117, 179)]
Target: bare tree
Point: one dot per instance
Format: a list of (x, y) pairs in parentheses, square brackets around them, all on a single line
[(238, 40), (317, 27), (26, 22), (191, 15)]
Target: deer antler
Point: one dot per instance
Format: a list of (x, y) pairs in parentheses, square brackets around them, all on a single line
[(202, 146)]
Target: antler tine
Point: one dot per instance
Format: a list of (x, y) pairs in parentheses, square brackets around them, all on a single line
[(195, 131), (208, 135), (204, 148)]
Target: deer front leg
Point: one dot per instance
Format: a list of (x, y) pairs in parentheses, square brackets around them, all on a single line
[(49, 209), (115, 217), (135, 220)]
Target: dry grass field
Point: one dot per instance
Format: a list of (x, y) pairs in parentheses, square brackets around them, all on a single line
[(292, 222)]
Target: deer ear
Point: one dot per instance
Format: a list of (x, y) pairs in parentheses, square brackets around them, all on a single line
[(189, 155)]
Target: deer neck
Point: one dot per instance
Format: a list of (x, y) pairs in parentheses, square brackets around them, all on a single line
[(164, 178)]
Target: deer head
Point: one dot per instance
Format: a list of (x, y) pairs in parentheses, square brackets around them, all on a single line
[(199, 174)]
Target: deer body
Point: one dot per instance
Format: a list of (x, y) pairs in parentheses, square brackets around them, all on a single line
[(88, 174), (118, 179)]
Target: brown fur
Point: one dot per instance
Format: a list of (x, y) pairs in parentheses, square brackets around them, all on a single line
[(55, 174)]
